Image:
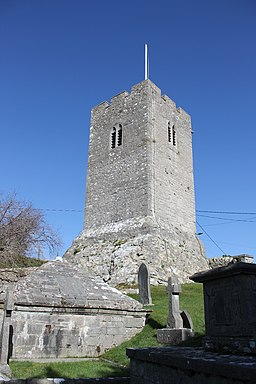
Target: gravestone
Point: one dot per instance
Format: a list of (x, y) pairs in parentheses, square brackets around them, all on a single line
[(230, 310), (6, 333), (144, 285), (174, 318), (179, 324)]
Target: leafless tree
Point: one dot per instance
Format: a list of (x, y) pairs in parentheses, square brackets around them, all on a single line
[(23, 230)]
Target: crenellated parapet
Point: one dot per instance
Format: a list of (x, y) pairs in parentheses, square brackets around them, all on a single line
[(146, 87)]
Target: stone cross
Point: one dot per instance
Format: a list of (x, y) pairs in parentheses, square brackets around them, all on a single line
[(174, 317), (144, 285)]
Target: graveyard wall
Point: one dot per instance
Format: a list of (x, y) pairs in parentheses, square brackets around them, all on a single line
[(42, 332), (216, 262), (100, 380), (189, 366)]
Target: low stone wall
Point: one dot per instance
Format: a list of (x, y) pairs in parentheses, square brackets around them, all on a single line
[(172, 365), (46, 332), (108, 380), (216, 262)]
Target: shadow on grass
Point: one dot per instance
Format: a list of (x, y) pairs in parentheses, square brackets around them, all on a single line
[(99, 373), (154, 324)]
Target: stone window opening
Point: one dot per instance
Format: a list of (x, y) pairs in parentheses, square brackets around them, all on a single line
[(113, 138), (173, 135), (120, 136), (116, 136), (169, 132)]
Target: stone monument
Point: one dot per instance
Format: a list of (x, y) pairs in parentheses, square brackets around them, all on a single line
[(144, 285), (230, 309), (61, 311), (140, 204), (228, 356), (179, 324)]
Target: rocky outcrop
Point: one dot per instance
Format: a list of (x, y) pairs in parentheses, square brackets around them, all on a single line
[(115, 253)]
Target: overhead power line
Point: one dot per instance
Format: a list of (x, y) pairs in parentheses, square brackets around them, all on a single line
[(229, 219), (198, 210), (214, 242), (227, 212), (60, 210)]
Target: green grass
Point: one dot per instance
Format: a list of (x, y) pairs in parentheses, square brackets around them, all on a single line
[(191, 299), (91, 369)]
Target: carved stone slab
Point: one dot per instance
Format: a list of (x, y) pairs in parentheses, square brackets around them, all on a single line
[(230, 308)]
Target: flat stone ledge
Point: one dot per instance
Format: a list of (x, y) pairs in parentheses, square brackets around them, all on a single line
[(197, 361), (108, 380), (240, 268)]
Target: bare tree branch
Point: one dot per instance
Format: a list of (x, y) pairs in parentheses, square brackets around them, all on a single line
[(23, 230)]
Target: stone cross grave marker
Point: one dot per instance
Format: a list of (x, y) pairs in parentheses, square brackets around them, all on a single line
[(174, 318), (179, 324), (144, 285)]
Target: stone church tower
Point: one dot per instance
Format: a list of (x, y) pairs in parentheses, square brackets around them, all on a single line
[(140, 204)]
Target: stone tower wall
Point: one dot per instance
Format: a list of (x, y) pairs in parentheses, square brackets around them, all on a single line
[(172, 183), (147, 175), (117, 179), (140, 204)]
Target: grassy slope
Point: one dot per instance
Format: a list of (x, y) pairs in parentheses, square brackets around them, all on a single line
[(191, 299), (20, 262)]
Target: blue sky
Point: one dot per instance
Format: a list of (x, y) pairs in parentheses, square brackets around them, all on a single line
[(59, 58)]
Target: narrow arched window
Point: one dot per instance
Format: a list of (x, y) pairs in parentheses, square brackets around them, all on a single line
[(116, 136), (169, 133), (113, 138), (173, 135), (119, 135)]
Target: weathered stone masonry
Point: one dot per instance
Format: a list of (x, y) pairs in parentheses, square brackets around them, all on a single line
[(61, 311), (140, 190)]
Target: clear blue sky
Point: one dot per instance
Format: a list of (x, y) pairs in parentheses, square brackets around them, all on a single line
[(59, 58)]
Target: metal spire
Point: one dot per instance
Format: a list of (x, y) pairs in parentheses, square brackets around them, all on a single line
[(146, 62)]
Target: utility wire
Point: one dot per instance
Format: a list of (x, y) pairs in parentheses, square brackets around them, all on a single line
[(227, 212), (228, 220), (250, 220), (214, 242), (198, 210), (59, 210)]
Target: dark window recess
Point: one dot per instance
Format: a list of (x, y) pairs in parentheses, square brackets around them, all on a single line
[(119, 135), (173, 136), (113, 138), (169, 132)]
